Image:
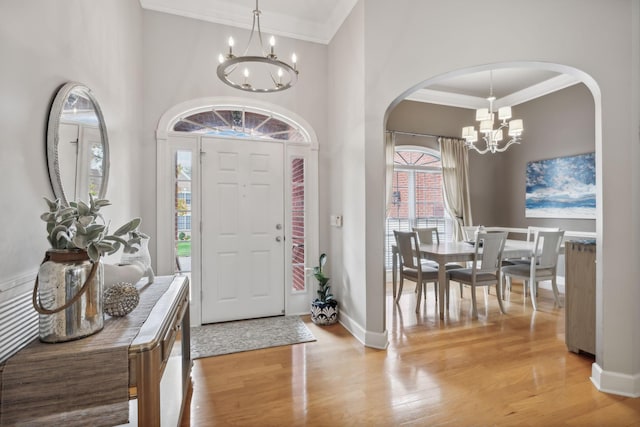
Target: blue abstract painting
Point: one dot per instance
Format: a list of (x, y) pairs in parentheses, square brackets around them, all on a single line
[(564, 187)]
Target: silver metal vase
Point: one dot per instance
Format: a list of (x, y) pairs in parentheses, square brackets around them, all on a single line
[(68, 296)]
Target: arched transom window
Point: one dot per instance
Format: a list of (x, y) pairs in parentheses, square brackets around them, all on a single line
[(241, 123)]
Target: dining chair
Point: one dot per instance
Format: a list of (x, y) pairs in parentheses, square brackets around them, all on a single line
[(532, 233), (468, 235), (428, 235), (542, 265), (469, 231), (485, 269), (410, 266)]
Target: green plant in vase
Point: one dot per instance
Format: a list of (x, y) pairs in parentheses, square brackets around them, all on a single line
[(68, 290), (324, 309), (81, 227)]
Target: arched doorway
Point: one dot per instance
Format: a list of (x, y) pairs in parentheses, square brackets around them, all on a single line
[(594, 91), (237, 206)]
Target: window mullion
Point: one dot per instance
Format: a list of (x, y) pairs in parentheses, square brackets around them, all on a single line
[(412, 198)]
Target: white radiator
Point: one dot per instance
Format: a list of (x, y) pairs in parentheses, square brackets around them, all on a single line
[(18, 319)]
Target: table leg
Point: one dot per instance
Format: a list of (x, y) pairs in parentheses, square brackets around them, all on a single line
[(442, 282), (394, 269), (420, 285)]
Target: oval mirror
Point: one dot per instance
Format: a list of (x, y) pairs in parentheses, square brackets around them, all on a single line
[(77, 145)]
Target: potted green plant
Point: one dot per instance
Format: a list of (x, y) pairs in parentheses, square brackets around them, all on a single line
[(68, 290), (324, 309), (81, 227)]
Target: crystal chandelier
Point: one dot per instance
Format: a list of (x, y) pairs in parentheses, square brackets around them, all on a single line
[(493, 137), (261, 74)]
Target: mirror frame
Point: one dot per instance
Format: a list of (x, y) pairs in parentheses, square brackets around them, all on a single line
[(53, 138)]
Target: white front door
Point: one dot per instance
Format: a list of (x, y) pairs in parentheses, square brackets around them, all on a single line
[(242, 229)]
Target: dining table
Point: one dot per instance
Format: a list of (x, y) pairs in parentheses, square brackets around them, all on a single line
[(459, 251)]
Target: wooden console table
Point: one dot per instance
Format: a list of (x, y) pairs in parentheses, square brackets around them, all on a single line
[(160, 359), (140, 361)]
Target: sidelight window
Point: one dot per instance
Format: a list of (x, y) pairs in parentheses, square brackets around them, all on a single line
[(298, 214), (182, 211)]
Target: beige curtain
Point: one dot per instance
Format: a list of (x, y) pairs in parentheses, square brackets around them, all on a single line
[(390, 143), (455, 181)]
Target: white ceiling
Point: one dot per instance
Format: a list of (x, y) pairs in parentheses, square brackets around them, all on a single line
[(309, 20), (319, 20)]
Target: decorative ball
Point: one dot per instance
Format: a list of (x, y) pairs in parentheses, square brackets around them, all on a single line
[(120, 299)]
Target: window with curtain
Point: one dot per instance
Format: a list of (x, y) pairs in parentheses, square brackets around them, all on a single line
[(417, 199)]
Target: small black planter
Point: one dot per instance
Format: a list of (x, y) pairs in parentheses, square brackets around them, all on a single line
[(324, 313)]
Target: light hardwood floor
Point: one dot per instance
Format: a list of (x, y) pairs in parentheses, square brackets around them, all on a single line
[(506, 370)]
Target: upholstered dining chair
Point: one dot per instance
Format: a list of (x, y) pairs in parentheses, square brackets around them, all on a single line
[(428, 235), (541, 266), (468, 235), (485, 268), (532, 233), (469, 231), (410, 266)]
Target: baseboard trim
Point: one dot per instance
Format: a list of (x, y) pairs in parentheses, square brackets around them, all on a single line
[(615, 382), (375, 340)]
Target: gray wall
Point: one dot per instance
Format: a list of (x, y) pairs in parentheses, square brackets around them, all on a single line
[(343, 163), (421, 117), (556, 125), (44, 44)]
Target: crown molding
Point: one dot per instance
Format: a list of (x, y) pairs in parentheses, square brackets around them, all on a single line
[(447, 98), (473, 102)]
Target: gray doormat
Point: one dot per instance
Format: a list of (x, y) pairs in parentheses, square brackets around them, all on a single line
[(244, 335)]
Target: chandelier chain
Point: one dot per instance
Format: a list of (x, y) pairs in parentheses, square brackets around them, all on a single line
[(274, 71), (256, 20), (490, 83)]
